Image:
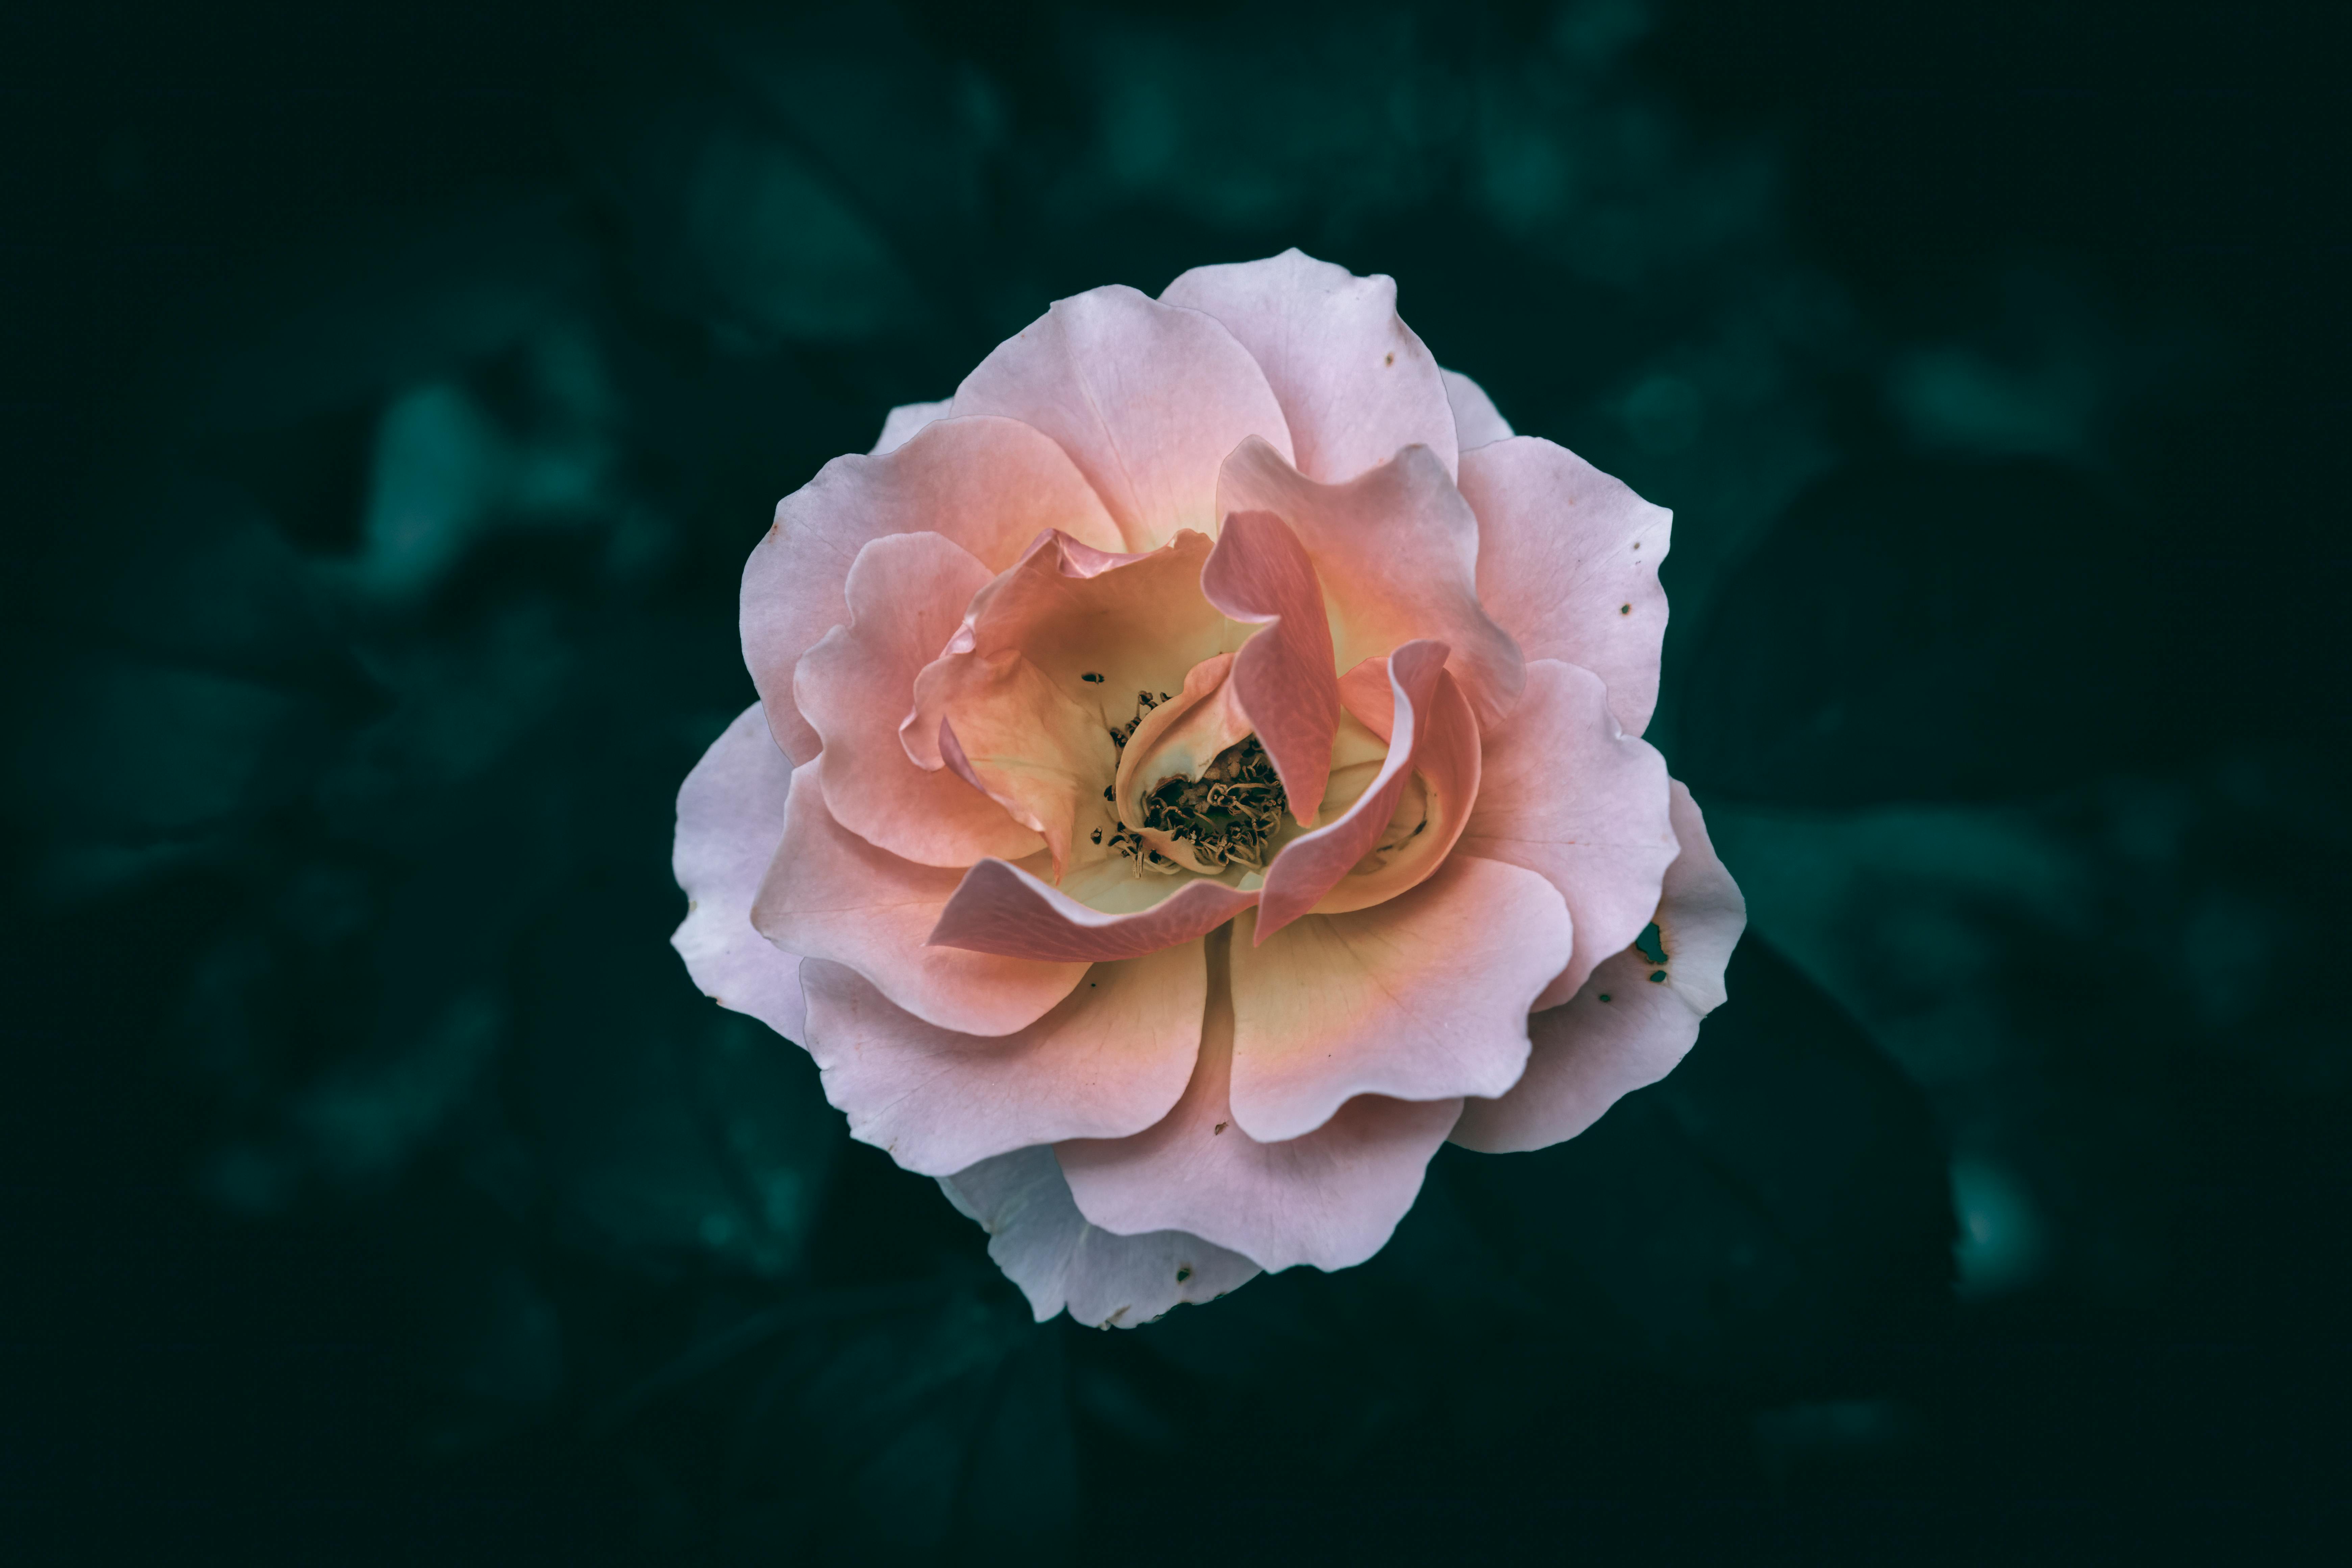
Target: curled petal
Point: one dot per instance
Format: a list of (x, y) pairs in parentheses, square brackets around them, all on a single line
[(1567, 558), (1311, 867), (1396, 550), (1477, 421), (1284, 676), (1108, 1060), (830, 894), (1634, 1017), (1570, 795), (1036, 1234), (907, 595), (1001, 909), (1354, 382), (989, 485), (1422, 997), (730, 815), (899, 425), (1445, 756), (1329, 1198), (1146, 398)]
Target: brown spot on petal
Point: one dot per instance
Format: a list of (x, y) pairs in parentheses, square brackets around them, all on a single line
[(1183, 1272), (1219, 1128), (1624, 609), (1389, 358)]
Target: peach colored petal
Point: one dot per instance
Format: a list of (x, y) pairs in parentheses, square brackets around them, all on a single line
[(1049, 659), (1446, 760), (830, 894), (1001, 909), (1311, 865), (989, 485), (1330, 1198), (1477, 421), (1590, 1053), (1180, 737), (1107, 1062), (1422, 997), (907, 595), (1567, 558), (899, 425), (1354, 382), (1284, 676), (1397, 552), (1570, 795), (731, 817), (1036, 1234), (1146, 398)]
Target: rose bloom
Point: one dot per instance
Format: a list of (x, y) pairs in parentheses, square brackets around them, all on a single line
[(1197, 773)]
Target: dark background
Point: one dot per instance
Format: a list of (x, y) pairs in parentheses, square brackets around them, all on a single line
[(392, 395)]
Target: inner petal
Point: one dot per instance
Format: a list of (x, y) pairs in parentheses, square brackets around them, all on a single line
[(1037, 685)]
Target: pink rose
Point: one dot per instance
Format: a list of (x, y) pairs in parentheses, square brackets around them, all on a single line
[(1196, 773)]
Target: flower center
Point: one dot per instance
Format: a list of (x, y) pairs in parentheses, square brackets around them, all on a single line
[(1227, 815)]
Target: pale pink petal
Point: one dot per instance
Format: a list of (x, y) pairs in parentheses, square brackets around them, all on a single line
[(1591, 1052), (907, 596), (1050, 658), (1397, 552), (1422, 997), (899, 425), (1568, 794), (731, 817), (1567, 558), (1036, 1234), (1284, 676), (1477, 421), (1146, 398), (830, 894), (989, 485), (1001, 909), (1311, 865), (1108, 1061), (1446, 757), (1330, 1198), (1354, 382)]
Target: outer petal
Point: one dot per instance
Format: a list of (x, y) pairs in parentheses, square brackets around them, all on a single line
[(989, 485), (1568, 794), (830, 894), (730, 815), (1284, 676), (1477, 421), (1567, 558), (1354, 382), (1107, 1061), (1146, 398), (1001, 909), (1593, 1051), (1422, 997), (1330, 1198), (907, 596), (1397, 552), (1043, 1243), (899, 425)]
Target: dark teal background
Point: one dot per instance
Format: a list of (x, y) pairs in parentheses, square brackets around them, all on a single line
[(389, 395)]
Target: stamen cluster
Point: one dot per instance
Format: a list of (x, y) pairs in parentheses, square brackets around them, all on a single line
[(1228, 814)]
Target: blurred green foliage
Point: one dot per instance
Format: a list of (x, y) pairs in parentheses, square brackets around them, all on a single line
[(392, 394)]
